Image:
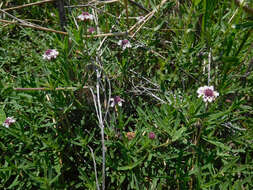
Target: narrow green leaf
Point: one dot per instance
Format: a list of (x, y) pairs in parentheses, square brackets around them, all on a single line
[(2, 116)]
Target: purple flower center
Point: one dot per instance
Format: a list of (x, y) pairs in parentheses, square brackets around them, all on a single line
[(124, 42), (151, 135), (91, 30), (48, 52), (85, 13), (8, 121), (117, 99), (208, 93)]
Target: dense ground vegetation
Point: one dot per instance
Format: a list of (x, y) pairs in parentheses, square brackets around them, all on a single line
[(163, 136)]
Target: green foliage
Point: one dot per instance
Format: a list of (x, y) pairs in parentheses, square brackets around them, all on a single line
[(196, 145)]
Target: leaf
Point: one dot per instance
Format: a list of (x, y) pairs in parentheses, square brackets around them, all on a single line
[(159, 26), (2, 116), (218, 144), (196, 2), (178, 134), (132, 165), (244, 25)]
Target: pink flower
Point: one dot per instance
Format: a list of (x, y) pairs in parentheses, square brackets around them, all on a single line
[(8, 121), (91, 30), (50, 54), (124, 44), (85, 16), (207, 93), (116, 100), (151, 135)]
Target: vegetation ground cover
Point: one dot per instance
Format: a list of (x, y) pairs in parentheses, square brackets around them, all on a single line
[(125, 110)]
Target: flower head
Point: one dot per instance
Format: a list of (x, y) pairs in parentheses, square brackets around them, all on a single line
[(116, 101), (8, 121), (124, 44), (91, 30), (207, 93), (50, 54), (151, 135), (85, 16), (130, 135)]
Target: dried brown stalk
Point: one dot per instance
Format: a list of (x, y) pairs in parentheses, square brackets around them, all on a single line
[(246, 8), (146, 18), (35, 27), (28, 5), (47, 89)]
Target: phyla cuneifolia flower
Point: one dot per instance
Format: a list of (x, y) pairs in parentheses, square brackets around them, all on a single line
[(124, 44), (91, 30), (151, 135), (85, 16), (116, 101), (8, 121), (207, 93), (50, 54)]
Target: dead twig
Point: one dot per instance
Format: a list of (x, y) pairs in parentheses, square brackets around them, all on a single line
[(107, 34), (245, 7), (34, 27), (28, 5), (48, 89), (146, 19), (64, 33), (139, 5), (95, 167), (90, 4)]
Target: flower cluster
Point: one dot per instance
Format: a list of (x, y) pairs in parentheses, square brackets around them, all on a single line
[(116, 101), (50, 54), (151, 135), (124, 44), (207, 93), (8, 121), (91, 30), (85, 16), (130, 135)]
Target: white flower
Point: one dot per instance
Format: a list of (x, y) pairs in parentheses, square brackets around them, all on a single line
[(207, 93), (8, 121), (116, 100), (124, 44), (50, 54), (85, 16)]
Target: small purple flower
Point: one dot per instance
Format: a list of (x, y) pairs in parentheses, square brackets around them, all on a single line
[(116, 101), (124, 44), (151, 135), (85, 16), (50, 54), (91, 30), (8, 121), (207, 93)]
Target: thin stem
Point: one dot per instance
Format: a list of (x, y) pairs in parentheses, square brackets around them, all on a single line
[(209, 66), (48, 89), (100, 118), (95, 167), (34, 27), (29, 4)]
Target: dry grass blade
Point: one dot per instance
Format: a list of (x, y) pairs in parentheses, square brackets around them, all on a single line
[(34, 27), (246, 8), (28, 5), (145, 19)]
